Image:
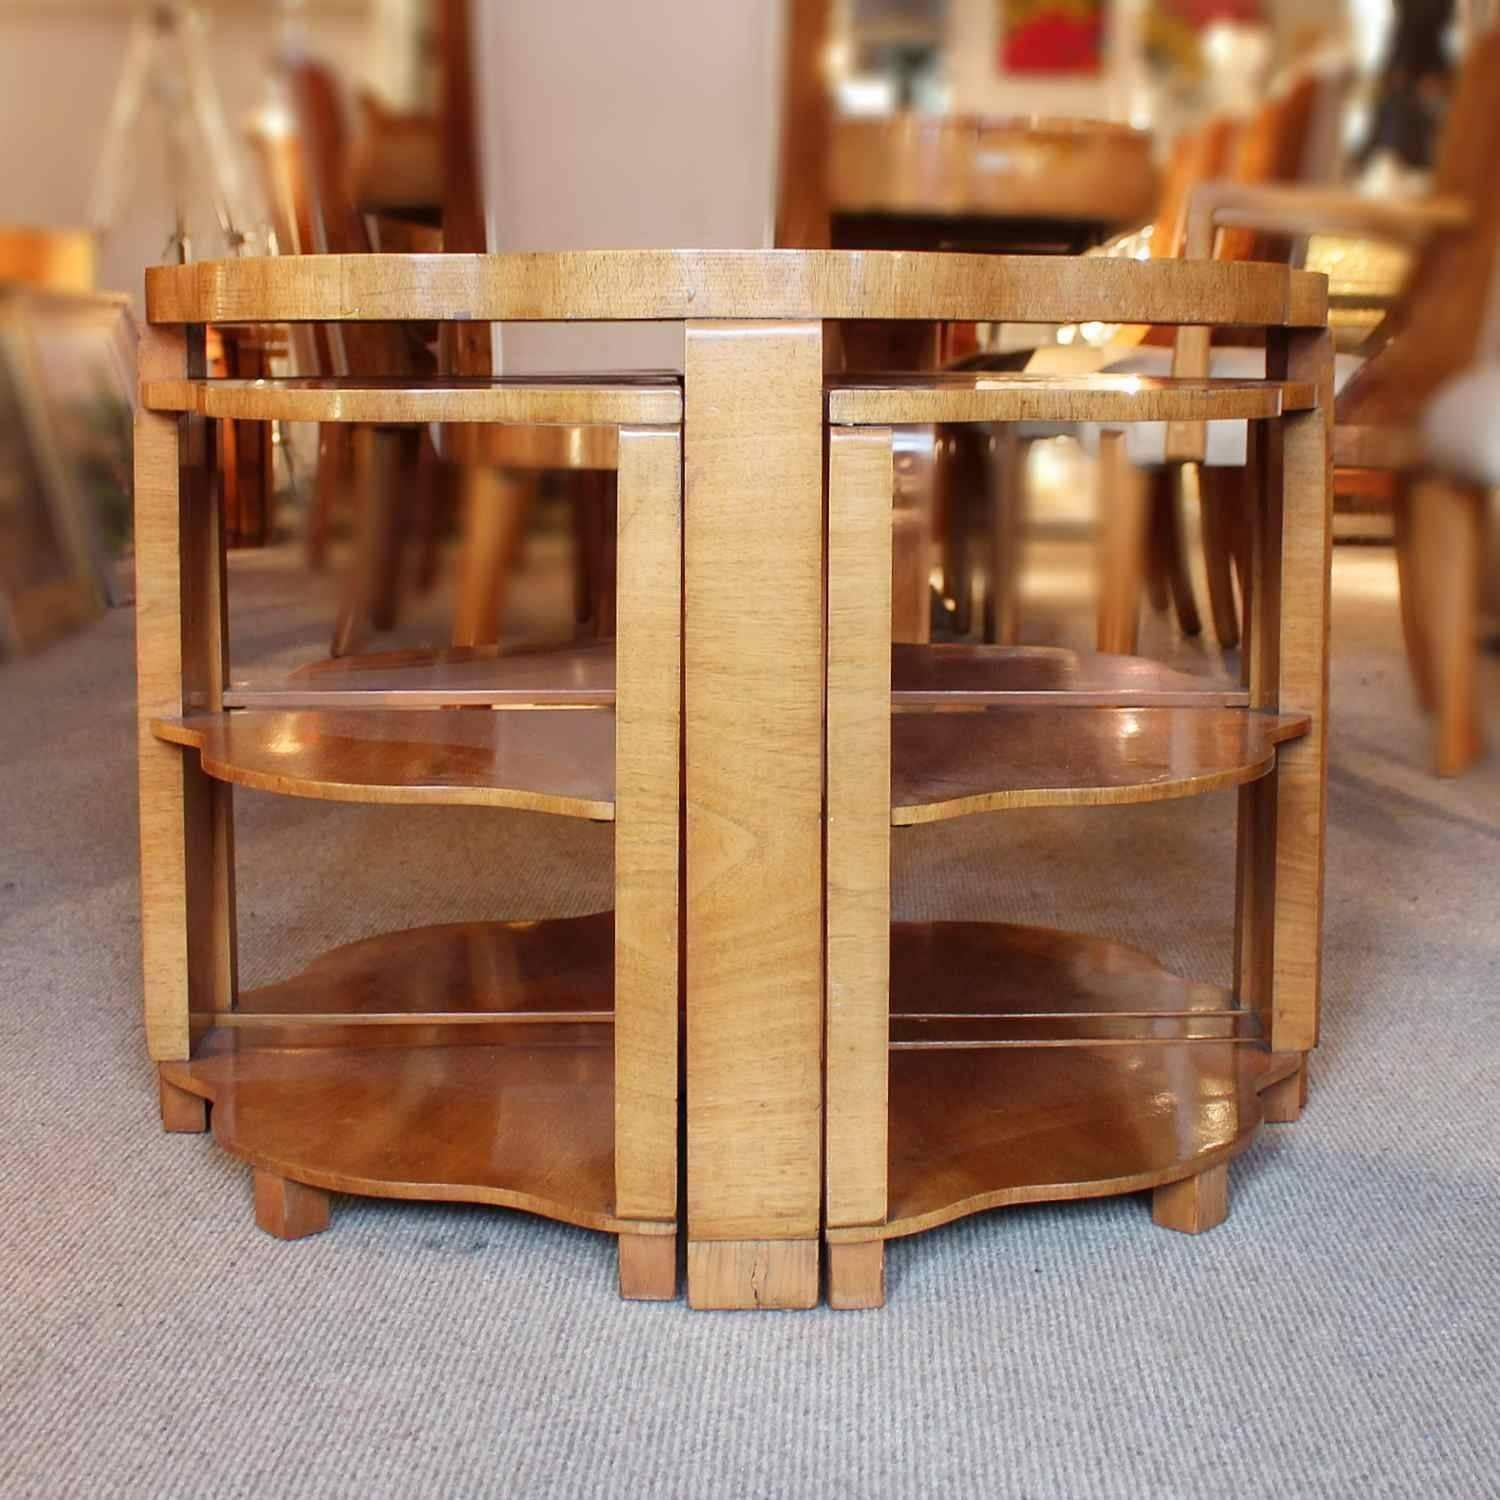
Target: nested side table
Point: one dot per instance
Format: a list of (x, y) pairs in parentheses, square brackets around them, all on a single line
[(752, 730), (530, 1064), (973, 1065)]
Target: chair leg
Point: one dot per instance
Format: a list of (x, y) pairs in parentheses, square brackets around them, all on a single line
[(1172, 562), (369, 592), (331, 485), (1220, 495), (1007, 497), (496, 505), (1413, 610), (1447, 538), (1121, 552)]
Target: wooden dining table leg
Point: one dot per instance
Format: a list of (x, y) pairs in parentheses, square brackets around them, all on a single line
[(753, 703)]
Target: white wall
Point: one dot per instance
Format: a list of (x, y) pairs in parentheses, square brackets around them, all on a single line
[(58, 70), (625, 124)]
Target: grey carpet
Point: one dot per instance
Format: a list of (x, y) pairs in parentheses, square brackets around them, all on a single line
[(1338, 1336)]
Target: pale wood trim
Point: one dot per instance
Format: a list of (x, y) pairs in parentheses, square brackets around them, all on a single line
[(860, 481), (187, 853), (753, 676), (674, 285), (648, 747)]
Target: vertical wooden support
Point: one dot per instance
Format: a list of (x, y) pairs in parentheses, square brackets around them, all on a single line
[(1121, 552), (753, 699), (187, 839), (859, 852), (1302, 683), (1255, 874), (648, 747)]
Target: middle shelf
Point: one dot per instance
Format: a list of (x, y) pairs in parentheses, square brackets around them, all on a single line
[(556, 760), (973, 729)]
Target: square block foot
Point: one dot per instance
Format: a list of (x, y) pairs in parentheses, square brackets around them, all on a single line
[(856, 1275), (752, 1273), (1195, 1204), (182, 1113), (289, 1210), (648, 1267)]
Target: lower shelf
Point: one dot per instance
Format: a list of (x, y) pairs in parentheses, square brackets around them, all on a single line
[(976, 1127), (514, 1111)]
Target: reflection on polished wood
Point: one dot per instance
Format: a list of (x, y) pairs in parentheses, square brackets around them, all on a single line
[(672, 285), (967, 396), (1036, 676), (560, 761), (945, 765), (465, 676), (964, 165), (433, 986), (650, 399), (584, 676), (977, 1128), (522, 1117)]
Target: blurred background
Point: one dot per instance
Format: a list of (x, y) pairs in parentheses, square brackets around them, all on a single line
[(1356, 136)]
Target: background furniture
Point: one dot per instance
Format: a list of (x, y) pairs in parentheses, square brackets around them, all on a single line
[(1440, 325)]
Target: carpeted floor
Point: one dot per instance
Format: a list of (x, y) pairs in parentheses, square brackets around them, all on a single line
[(1338, 1336)]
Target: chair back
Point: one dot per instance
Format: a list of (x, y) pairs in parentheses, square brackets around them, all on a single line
[(1443, 320)]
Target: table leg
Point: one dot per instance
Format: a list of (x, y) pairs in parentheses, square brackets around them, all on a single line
[(753, 702)]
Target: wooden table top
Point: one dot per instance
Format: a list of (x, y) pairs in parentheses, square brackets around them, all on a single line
[(727, 285)]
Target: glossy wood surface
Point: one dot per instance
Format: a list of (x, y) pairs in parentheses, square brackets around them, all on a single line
[(584, 675), (472, 676), (964, 165), (1039, 676), (564, 399), (968, 396), (973, 1129), (558, 761), (570, 446), (673, 285), (520, 1116), (947, 765)]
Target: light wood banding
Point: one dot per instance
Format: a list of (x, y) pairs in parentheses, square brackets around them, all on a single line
[(678, 285), (961, 396), (947, 765), (559, 762), (564, 400)]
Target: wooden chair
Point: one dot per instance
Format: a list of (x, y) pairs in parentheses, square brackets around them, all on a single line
[(1439, 327)]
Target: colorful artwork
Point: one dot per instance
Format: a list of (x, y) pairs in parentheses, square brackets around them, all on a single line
[(1052, 36)]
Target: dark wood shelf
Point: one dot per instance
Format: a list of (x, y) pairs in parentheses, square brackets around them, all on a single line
[(947, 765), (557, 760), (974, 1127), (509, 1113)]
